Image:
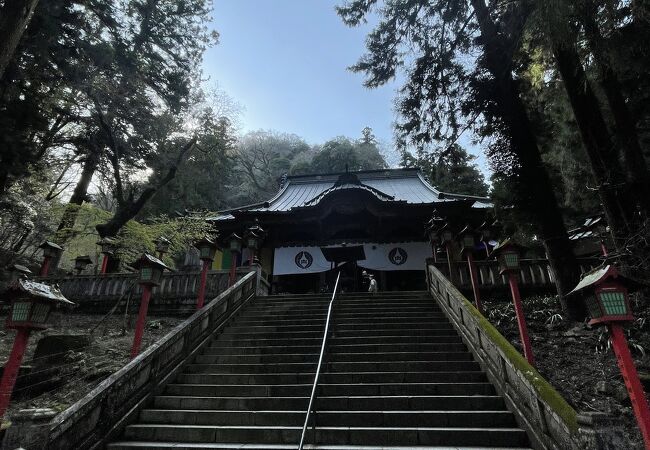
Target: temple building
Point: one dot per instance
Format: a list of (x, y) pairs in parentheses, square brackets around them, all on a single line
[(369, 221)]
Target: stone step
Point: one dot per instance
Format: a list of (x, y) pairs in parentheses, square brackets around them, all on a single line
[(338, 322), (460, 419), (342, 313), (347, 403), (330, 390), (340, 309), (147, 445), (381, 436), (440, 338), (279, 358), (239, 334), (358, 366), (340, 377), (222, 348)]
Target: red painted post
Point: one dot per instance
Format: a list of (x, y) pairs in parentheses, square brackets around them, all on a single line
[(603, 248), (104, 264), (433, 251), (631, 378), (233, 268), (45, 267), (521, 320), (473, 276), (142, 317), (12, 367), (449, 261), (204, 277), (251, 258)]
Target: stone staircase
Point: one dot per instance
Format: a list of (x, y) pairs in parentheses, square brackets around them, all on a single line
[(397, 375)]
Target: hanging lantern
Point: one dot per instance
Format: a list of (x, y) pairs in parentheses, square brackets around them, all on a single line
[(150, 270), (162, 244), (507, 253), (207, 249), (466, 238), (108, 245), (234, 243), (31, 304), (51, 250), (607, 300), (80, 263)]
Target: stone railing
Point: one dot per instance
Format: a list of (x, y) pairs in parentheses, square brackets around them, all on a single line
[(550, 421), (102, 414), (176, 294), (534, 273)]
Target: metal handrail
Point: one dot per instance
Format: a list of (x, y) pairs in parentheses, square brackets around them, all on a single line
[(320, 362)]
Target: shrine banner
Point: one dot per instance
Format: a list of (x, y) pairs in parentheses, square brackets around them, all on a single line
[(396, 256), (389, 257), (294, 260)]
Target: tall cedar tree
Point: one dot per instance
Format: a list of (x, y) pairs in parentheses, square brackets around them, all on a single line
[(446, 91)]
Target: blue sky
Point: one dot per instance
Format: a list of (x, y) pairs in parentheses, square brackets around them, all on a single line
[(285, 62)]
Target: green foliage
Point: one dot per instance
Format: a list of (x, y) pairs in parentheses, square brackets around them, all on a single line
[(451, 170)]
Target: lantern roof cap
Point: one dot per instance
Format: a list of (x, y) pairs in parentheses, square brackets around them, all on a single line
[(465, 230), (602, 274), (507, 243), (50, 244), (39, 290), (84, 258), (147, 259), (163, 240), (435, 221), (19, 268), (232, 236), (206, 240)]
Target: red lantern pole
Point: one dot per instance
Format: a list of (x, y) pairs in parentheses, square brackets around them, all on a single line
[(521, 320), (45, 267), (104, 264), (473, 276), (603, 248), (204, 278), (142, 317), (631, 378), (449, 260), (12, 367), (433, 252), (251, 258), (233, 267)]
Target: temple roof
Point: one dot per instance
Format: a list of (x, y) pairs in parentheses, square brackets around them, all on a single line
[(387, 185)]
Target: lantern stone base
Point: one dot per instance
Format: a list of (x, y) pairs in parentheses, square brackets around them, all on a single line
[(599, 430), (29, 429)]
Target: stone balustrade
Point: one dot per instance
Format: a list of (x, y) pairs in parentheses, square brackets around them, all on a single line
[(176, 294), (534, 273)]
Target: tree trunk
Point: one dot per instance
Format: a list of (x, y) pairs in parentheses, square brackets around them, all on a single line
[(14, 18), (535, 185), (603, 158), (79, 195), (129, 208), (635, 165)]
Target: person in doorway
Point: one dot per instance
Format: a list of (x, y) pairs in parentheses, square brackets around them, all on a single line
[(365, 281), (372, 285)]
